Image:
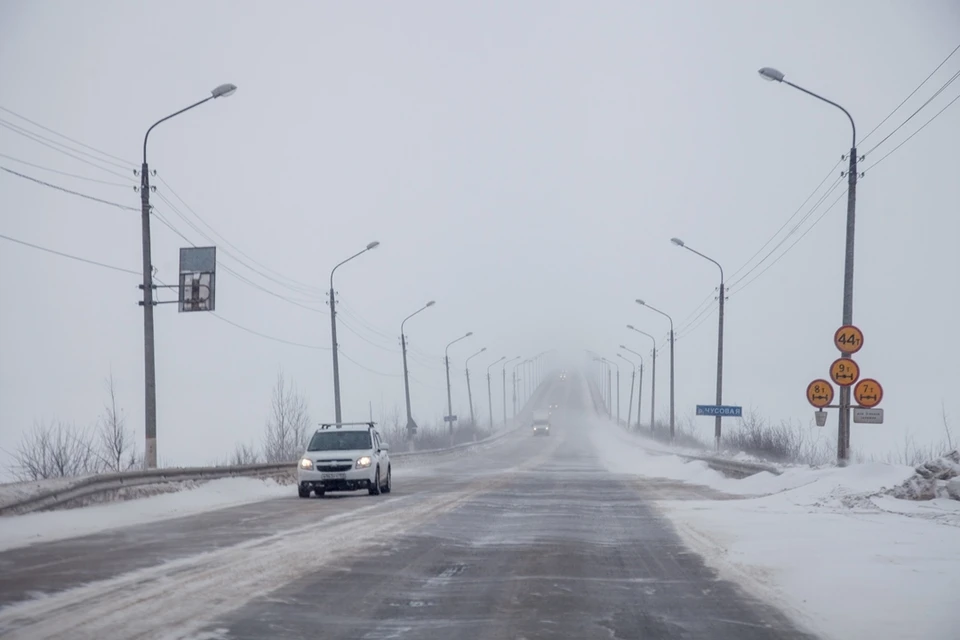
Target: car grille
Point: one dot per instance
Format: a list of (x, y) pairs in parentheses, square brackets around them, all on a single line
[(334, 466)]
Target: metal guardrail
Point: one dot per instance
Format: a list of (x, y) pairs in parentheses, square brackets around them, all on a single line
[(108, 482)]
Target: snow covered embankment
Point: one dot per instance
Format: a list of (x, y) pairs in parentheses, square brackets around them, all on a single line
[(46, 526), (828, 546)]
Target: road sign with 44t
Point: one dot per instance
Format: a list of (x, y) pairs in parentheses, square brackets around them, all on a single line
[(844, 371), (820, 393), (848, 339), (868, 393)]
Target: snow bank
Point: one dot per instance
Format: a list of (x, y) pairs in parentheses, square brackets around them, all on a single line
[(827, 546), (33, 528), (844, 572)]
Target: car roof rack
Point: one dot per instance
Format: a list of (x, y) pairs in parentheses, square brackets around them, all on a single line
[(327, 425)]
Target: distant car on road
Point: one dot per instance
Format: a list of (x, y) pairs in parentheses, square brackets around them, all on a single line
[(541, 422), (348, 456)]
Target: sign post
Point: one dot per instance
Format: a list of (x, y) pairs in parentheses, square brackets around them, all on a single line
[(845, 372)]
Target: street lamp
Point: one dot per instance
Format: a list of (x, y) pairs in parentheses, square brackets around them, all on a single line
[(519, 364), (149, 357), (618, 387), (843, 428), (505, 388), (411, 425), (640, 384), (633, 380), (333, 331), (672, 405), (446, 362), (653, 377), (716, 428), (489, 390), (473, 421)]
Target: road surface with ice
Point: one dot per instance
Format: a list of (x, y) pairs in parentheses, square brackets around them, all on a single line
[(528, 538)]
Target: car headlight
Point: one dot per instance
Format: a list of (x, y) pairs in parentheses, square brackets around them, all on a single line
[(306, 463), (363, 462)]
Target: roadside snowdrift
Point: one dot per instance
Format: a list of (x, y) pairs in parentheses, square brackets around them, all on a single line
[(46, 526), (827, 546)]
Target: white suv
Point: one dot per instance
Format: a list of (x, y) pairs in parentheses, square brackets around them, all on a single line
[(345, 457)]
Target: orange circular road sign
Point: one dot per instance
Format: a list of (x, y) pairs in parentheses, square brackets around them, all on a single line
[(844, 371), (820, 393), (848, 339), (868, 393)]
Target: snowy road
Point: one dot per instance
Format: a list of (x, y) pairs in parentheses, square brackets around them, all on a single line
[(531, 538)]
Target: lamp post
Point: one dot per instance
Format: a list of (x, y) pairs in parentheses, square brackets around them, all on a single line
[(333, 331), (653, 376), (843, 427), (490, 390), (473, 421), (633, 379), (612, 362), (446, 362), (149, 354), (716, 427), (411, 425), (505, 388), (519, 364), (640, 385), (672, 405)]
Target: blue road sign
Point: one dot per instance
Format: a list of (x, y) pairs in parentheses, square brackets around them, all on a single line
[(719, 410)]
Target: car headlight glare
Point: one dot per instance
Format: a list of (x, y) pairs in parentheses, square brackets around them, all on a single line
[(363, 462), (306, 463)]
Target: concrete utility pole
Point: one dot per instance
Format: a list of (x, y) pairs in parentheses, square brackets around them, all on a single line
[(633, 379), (716, 428), (149, 353), (446, 361), (505, 387), (843, 427), (672, 396), (653, 376), (490, 390), (411, 425), (333, 331), (473, 420)]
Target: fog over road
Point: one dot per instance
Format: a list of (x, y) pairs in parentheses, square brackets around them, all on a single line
[(529, 537)]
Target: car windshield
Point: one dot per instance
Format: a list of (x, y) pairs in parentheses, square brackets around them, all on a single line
[(339, 441)]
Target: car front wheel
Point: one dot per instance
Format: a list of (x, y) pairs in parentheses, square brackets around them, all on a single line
[(375, 487), (387, 488)]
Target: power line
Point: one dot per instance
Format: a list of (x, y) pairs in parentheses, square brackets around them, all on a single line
[(204, 235), (65, 173), (263, 335), (365, 368), (299, 286), (238, 276), (62, 148), (70, 256), (802, 236), (70, 191), (787, 221), (906, 140), (919, 109), (795, 228), (36, 124), (911, 94)]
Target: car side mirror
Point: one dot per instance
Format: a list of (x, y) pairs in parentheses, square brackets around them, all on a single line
[(384, 447)]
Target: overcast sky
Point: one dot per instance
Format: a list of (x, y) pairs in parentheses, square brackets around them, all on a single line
[(523, 163)]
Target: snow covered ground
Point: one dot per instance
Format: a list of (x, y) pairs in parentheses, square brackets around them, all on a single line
[(821, 544), (32, 528)]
